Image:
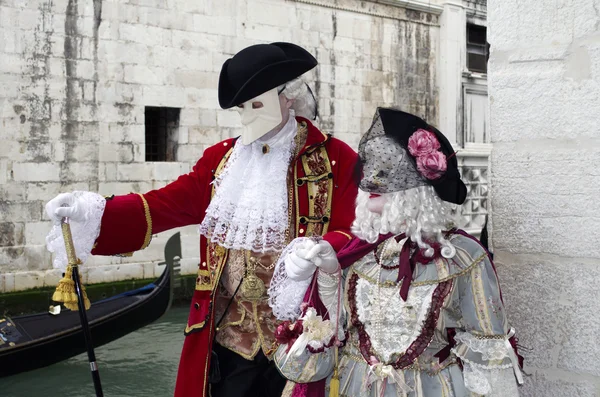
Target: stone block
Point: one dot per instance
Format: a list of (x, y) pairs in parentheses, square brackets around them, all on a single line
[(149, 270), (27, 19), (189, 117), (11, 63), (185, 40), (12, 191), (201, 98), (170, 96), (193, 78), (148, 35), (228, 118), (202, 135), (100, 274), (36, 172), (80, 171), (51, 277), (109, 172), (183, 135), (265, 33), (116, 152), (554, 383), (214, 24), (9, 282), (123, 52), (189, 266), (536, 206), (190, 152), (208, 118), (278, 14), (140, 74), (21, 258), (134, 171), (544, 325), (36, 232), (28, 280), (551, 28), (163, 171)]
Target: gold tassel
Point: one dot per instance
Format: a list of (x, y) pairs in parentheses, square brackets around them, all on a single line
[(65, 290), (334, 383), (66, 294)]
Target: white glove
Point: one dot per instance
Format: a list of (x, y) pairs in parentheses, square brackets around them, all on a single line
[(297, 267), (66, 205), (323, 255), (302, 263)]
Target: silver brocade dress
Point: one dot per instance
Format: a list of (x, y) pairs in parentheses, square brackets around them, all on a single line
[(461, 293)]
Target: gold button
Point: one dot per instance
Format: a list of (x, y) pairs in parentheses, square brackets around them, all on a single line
[(301, 231), (333, 162), (224, 143)]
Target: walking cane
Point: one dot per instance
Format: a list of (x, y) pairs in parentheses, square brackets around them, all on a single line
[(71, 292)]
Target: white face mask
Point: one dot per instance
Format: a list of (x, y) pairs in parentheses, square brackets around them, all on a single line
[(259, 121)]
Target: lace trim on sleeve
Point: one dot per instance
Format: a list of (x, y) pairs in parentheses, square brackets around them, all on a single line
[(84, 233), (490, 349), (483, 359), (285, 294)]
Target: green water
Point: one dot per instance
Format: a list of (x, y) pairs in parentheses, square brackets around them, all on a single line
[(143, 363)]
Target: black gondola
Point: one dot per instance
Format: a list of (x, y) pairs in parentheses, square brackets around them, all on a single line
[(38, 340)]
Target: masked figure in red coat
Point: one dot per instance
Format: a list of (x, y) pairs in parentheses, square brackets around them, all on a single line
[(282, 179)]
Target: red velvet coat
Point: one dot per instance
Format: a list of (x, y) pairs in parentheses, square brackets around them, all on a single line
[(323, 196)]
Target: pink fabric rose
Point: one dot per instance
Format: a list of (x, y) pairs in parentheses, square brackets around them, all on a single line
[(422, 142), (432, 165)]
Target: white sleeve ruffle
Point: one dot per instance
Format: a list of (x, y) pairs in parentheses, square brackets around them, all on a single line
[(286, 295), (490, 366), (84, 233)]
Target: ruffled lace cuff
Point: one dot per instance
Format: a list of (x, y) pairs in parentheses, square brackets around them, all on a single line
[(84, 233), (286, 295), (483, 357)]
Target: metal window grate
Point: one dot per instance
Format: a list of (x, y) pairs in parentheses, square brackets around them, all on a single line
[(161, 133)]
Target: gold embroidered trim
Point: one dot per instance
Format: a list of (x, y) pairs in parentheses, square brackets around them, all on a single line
[(148, 236), (481, 307), (345, 234), (199, 325), (391, 284), (312, 163), (234, 323), (488, 336)]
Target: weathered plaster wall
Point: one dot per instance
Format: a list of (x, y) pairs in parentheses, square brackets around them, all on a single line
[(545, 117), (75, 76)]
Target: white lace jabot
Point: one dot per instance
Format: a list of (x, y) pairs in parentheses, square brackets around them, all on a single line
[(250, 206)]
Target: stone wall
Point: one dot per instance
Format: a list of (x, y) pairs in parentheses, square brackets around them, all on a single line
[(75, 76), (545, 101)]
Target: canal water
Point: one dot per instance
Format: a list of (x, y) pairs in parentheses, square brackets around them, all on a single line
[(143, 363)]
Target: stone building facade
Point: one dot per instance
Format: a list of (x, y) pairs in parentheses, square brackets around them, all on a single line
[(83, 83), (545, 123)]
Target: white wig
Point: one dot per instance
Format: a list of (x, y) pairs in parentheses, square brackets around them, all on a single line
[(418, 212), (305, 104)]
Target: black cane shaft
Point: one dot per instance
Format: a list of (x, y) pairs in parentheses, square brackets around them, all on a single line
[(87, 334)]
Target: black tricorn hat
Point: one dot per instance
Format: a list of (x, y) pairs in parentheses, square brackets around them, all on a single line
[(260, 68), (400, 126)]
